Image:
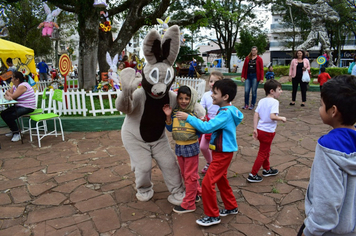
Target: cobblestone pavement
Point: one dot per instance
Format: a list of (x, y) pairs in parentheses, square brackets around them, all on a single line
[(84, 186)]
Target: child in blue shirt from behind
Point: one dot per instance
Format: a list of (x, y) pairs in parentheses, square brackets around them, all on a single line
[(330, 201), (270, 73), (223, 145)]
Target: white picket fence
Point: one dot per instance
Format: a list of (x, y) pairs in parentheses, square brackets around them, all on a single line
[(75, 98)]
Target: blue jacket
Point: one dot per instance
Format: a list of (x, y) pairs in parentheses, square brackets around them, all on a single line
[(42, 67), (222, 127), (330, 202), (269, 75)]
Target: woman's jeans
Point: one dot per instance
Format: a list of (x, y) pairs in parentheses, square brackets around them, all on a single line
[(251, 83), (10, 115), (303, 89)]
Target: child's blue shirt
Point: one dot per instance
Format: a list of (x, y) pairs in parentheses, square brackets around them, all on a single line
[(222, 127), (269, 75)]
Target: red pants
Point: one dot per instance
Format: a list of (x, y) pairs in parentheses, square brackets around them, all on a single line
[(262, 158), (217, 174), (189, 169)]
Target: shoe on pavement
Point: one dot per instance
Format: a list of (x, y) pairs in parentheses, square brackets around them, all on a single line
[(16, 137), (10, 134), (245, 107), (207, 221), (197, 198), (205, 169), (254, 178), (251, 107), (224, 212), (270, 172), (180, 210)]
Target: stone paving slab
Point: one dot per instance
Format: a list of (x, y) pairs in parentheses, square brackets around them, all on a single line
[(85, 186)]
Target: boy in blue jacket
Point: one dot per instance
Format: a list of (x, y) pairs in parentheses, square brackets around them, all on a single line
[(330, 202), (223, 145)]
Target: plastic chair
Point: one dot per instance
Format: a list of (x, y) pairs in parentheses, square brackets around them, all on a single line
[(35, 112), (56, 99)]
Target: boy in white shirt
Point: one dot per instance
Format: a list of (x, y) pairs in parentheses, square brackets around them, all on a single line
[(264, 126)]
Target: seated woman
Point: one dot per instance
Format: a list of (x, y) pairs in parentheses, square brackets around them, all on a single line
[(23, 93)]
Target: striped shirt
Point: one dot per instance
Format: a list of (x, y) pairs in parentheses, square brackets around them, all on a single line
[(27, 99)]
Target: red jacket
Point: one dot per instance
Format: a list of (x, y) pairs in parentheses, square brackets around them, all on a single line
[(259, 68), (323, 77)]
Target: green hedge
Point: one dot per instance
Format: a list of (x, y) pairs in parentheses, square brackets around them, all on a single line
[(284, 71)]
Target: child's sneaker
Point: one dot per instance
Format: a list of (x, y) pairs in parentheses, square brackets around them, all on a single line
[(245, 107), (207, 221), (205, 169), (16, 137), (180, 210), (251, 107), (224, 212), (254, 178), (270, 172), (197, 198)]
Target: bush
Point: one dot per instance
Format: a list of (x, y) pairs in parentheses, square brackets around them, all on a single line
[(280, 71)]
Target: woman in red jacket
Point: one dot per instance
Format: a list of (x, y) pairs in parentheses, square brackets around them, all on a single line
[(252, 74)]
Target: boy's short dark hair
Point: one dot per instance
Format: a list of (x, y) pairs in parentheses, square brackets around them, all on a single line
[(226, 86), (322, 69), (185, 90), (9, 60), (341, 92), (271, 84)]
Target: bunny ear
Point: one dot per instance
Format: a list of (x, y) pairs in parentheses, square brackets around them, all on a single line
[(167, 19), (171, 44), (56, 12), (47, 9), (159, 21), (116, 59), (152, 47), (108, 59)]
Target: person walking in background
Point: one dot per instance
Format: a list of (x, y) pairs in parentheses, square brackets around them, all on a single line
[(207, 103), (326, 55), (264, 127), (252, 74), (43, 70), (298, 65), (270, 73), (323, 77), (330, 200), (352, 65), (192, 66), (223, 143), (187, 147)]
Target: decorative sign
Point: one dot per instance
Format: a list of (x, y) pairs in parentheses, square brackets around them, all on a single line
[(65, 65), (321, 60)]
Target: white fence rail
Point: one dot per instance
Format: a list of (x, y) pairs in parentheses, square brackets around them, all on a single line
[(75, 99)]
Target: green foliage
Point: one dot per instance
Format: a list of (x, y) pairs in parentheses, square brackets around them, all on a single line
[(186, 54), (280, 71), (23, 19), (250, 37)]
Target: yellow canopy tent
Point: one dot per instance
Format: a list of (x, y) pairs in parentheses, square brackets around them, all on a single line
[(22, 57)]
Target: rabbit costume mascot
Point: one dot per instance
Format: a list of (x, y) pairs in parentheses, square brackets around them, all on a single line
[(49, 24), (143, 131)]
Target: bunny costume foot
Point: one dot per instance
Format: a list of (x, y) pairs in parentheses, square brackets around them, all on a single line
[(143, 131)]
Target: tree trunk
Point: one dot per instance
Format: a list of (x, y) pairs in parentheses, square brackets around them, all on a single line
[(88, 48)]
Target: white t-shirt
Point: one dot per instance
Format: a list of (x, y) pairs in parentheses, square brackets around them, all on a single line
[(353, 72), (207, 102), (266, 106)]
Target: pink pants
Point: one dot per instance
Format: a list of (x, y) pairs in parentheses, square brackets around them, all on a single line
[(204, 147), (47, 31), (262, 158), (217, 174), (189, 169)]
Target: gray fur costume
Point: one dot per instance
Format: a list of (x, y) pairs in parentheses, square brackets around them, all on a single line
[(143, 131)]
